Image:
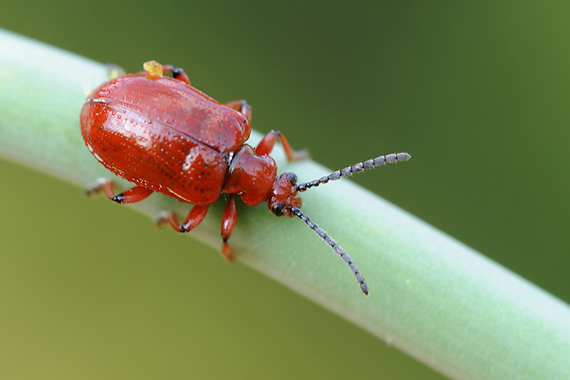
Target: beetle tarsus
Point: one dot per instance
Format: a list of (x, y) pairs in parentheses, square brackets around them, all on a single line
[(227, 251), (161, 219), (101, 184)]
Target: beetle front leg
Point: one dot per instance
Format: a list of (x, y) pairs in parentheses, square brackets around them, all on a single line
[(266, 145), (242, 107), (133, 195), (229, 221)]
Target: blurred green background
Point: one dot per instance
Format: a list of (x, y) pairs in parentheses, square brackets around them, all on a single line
[(477, 92)]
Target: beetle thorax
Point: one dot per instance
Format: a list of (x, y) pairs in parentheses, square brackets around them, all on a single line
[(250, 176)]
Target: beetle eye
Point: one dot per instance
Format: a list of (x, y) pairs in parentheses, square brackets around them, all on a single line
[(279, 209), (292, 177)]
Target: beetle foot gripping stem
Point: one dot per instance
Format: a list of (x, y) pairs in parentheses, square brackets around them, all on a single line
[(227, 251), (164, 218), (194, 218), (337, 248), (99, 185)]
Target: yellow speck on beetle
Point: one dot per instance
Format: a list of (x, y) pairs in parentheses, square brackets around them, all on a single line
[(153, 68)]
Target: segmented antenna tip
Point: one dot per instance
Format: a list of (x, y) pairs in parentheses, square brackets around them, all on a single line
[(337, 248), (356, 168)]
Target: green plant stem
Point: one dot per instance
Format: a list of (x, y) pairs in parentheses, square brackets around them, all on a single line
[(430, 295)]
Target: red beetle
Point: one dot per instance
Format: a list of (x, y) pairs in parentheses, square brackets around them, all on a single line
[(167, 136)]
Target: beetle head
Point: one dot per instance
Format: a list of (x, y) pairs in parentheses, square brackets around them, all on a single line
[(283, 195)]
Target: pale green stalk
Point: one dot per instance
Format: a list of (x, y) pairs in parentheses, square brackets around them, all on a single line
[(430, 295)]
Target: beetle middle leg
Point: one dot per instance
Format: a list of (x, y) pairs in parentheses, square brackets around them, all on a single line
[(133, 195), (194, 218), (242, 107), (266, 145)]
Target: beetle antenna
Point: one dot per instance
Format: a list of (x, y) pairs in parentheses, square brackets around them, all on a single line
[(337, 248), (356, 168)]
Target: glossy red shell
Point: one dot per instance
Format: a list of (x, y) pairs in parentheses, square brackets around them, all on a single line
[(164, 135)]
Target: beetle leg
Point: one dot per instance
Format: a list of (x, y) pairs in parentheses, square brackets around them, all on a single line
[(167, 217), (229, 221), (194, 218), (241, 106), (134, 194), (101, 184), (177, 73), (266, 145)]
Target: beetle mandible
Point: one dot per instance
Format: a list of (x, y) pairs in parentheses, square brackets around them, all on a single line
[(167, 136)]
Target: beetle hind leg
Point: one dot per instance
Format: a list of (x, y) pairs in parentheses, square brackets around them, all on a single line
[(177, 73)]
